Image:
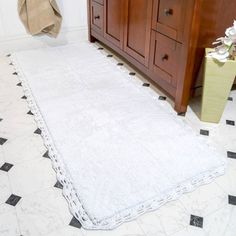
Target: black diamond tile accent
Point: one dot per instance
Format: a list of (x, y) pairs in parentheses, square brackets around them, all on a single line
[(120, 64), (181, 113), (75, 223), (30, 113), (132, 73), (6, 167), (146, 85), (46, 155), (162, 98), (230, 122), (109, 55), (24, 97), (19, 84), (11, 64), (38, 131), (2, 141), (15, 73), (196, 221), (100, 48), (232, 200), (8, 55), (58, 185), (204, 132), (13, 200), (1, 119), (230, 99), (231, 155)]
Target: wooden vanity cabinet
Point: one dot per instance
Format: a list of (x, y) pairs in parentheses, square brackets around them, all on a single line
[(164, 39)]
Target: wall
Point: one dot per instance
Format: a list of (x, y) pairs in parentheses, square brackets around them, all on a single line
[(14, 37)]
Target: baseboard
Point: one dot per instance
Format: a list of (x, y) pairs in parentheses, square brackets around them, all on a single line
[(25, 42)]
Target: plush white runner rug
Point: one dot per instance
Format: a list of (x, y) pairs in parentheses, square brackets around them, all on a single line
[(117, 151)]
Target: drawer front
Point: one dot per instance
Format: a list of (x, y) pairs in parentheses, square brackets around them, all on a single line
[(99, 1), (97, 17), (165, 56), (169, 20)]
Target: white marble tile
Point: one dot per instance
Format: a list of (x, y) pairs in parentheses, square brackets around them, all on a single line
[(191, 231), (231, 227), (9, 87), (24, 148), (19, 125), (173, 217), (2, 160), (227, 182), (221, 221), (5, 69), (32, 176), (204, 200), (151, 224), (127, 229), (10, 83), (5, 190), (67, 231), (225, 137), (16, 107), (42, 213), (6, 208), (9, 225), (3, 61)]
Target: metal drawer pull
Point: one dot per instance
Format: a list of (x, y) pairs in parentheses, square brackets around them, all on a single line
[(168, 12), (165, 57), (97, 17)]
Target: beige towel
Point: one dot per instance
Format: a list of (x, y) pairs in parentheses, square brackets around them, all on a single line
[(40, 16)]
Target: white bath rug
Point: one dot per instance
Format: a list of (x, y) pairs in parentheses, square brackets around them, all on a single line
[(116, 149)]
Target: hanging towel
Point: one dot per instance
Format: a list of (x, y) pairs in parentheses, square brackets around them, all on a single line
[(40, 16)]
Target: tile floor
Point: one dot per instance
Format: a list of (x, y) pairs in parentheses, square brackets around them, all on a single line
[(31, 202)]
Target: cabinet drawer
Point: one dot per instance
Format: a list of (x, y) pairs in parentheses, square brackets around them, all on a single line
[(165, 54), (169, 18), (98, 1), (97, 17)]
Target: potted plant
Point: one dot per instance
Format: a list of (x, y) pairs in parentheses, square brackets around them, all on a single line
[(219, 76)]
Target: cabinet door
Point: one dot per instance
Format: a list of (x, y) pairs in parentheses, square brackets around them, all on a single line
[(114, 22), (138, 20)]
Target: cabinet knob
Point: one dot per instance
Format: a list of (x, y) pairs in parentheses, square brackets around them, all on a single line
[(96, 17), (168, 12), (165, 57)]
